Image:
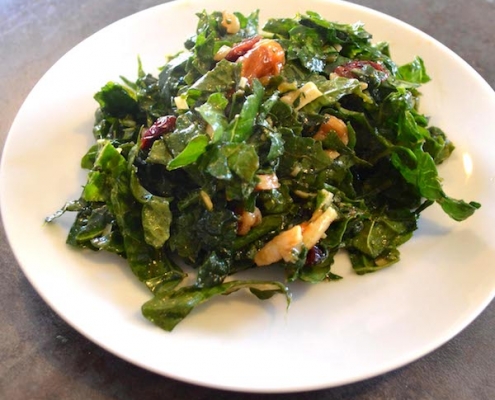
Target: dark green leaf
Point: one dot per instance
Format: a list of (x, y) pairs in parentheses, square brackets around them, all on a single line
[(115, 100), (241, 128), (414, 72), (194, 149), (169, 308)]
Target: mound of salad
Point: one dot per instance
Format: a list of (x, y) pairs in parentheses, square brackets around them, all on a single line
[(252, 148)]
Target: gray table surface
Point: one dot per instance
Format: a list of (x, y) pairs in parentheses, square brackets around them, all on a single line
[(41, 357)]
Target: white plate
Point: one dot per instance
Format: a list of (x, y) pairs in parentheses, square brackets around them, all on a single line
[(334, 333)]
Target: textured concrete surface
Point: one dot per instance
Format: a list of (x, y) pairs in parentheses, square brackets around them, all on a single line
[(41, 357)]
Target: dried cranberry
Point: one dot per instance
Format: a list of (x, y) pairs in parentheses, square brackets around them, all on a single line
[(346, 70), (315, 256), (241, 48), (161, 126)]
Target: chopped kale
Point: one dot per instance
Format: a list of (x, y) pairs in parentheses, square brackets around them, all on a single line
[(283, 149)]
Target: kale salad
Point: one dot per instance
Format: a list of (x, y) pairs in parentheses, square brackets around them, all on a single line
[(259, 147)]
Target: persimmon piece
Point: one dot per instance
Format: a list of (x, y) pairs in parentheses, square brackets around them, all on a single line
[(263, 61)]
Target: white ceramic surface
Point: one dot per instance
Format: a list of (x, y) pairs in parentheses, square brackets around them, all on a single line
[(334, 333)]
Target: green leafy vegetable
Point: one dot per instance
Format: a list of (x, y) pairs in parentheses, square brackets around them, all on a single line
[(314, 147), (167, 309)]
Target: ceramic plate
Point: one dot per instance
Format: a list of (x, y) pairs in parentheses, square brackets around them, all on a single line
[(333, 333)]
